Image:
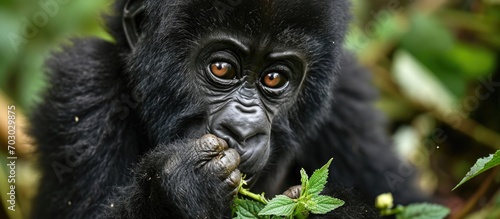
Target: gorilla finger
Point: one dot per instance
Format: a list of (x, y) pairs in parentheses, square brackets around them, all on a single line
[(211, 143), (293, 192), (224, 163), (234, 179)]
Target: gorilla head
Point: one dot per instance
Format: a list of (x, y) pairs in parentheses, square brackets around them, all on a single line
[(236, 67)]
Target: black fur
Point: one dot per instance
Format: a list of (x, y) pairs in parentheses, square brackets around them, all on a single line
[(113, 117)]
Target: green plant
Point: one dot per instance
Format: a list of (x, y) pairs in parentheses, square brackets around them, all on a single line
[(481, 165), (384, 203), (248, 205)]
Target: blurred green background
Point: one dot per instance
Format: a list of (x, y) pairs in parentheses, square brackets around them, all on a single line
[(436, 63)]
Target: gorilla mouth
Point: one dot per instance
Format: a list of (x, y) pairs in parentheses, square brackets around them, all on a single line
[(254, 152), (253, 161)]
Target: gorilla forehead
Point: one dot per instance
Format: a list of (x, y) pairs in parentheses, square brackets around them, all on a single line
[(262, 16), (253, 18)]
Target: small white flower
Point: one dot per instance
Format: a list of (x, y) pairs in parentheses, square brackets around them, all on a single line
[(384, 201)]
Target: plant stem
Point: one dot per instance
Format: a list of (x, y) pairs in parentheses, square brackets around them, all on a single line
[(301, 211), (393, 211), (251, 195)]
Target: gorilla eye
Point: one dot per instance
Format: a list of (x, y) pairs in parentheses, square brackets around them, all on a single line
[(223, 70), (274, 80)]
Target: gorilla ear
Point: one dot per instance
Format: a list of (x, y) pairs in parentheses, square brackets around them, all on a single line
[(130, 14)]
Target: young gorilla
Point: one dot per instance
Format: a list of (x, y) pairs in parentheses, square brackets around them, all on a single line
[(199, 93)]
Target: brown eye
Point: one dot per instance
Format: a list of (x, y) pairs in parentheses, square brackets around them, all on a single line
[(222, 70), (274, 80)]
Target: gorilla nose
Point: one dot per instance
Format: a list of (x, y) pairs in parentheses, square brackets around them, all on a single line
[(242, 125), (242, 132), (246, 125)]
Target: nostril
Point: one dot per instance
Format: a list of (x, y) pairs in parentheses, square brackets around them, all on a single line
[(240, 134), (255, 139), (239, 123), (228, 131)]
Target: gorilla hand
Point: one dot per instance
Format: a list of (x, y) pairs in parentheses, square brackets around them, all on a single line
[(293, 192), (196, 178), (216, 159)]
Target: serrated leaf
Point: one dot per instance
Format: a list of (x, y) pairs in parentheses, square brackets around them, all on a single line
[(323, 204), (481, 165), (304, 179), (247, 209), (424, 211), (281, 205), (318, 179)]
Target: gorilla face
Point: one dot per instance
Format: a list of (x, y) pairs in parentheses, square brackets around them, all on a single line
[(246, 86), (238, 72)]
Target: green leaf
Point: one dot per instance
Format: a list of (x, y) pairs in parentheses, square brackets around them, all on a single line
[(323, 204), (317, 181), (247, 209), (284, 206), (304, 179), (281, 205), (434, 47), (481, 165), (432, 36), (420, 84), (301, 211), (424, 211), (471, 60)]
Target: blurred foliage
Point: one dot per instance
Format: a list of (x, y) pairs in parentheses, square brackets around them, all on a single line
[(453, 61), (29, 29), (436, 63)]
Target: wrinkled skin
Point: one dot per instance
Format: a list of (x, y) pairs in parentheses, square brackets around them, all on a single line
[(211, 156)]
